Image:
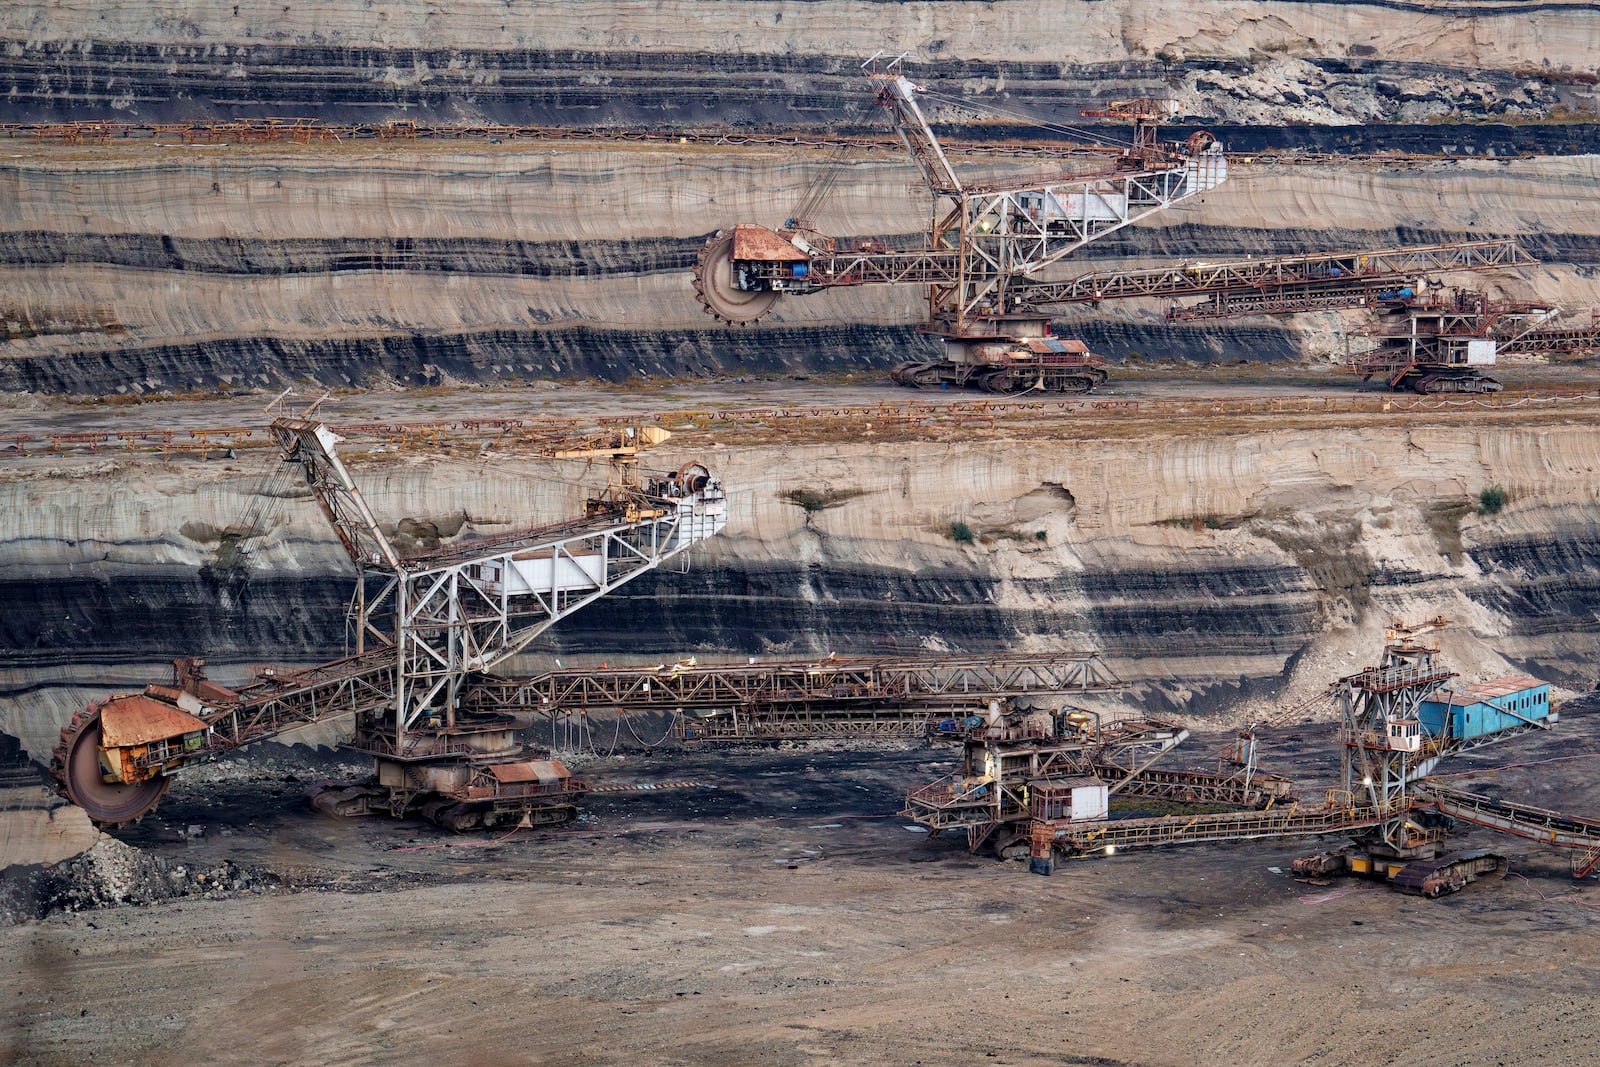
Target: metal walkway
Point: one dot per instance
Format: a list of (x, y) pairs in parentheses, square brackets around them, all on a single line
[(1525, 821), (1353, 275), (1197, 787), (830, 698), (1339, 815)]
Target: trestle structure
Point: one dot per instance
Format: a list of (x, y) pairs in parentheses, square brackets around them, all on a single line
[(422, 624), (832, 697), (1580, 835)]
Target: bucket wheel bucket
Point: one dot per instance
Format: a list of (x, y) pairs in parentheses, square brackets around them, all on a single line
[(716, 284), (75, 764)]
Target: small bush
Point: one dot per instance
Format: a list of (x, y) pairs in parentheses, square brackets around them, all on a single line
[(815, 500), (808, 499), (961, 533), (1491, 500), (1040, 535)]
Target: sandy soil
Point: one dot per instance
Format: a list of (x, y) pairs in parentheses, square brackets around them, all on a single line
[(781, 914), (40, 415)]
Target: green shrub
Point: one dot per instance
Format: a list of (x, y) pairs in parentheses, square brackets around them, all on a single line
[(1040, 535), (815, 500), (961, 533), (808, 499), (1491, 500)]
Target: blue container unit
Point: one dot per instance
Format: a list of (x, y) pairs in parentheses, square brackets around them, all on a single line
[(1486, 708)]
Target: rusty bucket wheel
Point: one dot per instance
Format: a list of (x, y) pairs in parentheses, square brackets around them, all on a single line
[(716, 284), (75, 763)]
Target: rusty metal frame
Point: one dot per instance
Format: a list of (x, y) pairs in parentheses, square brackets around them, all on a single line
[(983, 241), (831, 681), (1333, 272), (438, 612)]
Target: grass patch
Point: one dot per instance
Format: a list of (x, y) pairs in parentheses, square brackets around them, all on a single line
[(1492, 500), (961, 533)]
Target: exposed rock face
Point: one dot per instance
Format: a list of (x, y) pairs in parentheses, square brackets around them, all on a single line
[(109, 873), (1214, 571), (145, 270), (1208, 568), (789, 62), (150, 269)]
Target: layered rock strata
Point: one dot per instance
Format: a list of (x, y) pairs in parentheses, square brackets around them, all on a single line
[(1218, 573), (143, 269), (788, 62)]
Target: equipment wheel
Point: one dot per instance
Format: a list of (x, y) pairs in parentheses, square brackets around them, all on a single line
[(716, 284), (457, 817), (903, 373), (75, 764), (555, 815), (917, 374), (1008, 382), (1072, 383), (1013, 847), (343, 800)]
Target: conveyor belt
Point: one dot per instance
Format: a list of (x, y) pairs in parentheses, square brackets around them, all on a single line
[(1525, 821)]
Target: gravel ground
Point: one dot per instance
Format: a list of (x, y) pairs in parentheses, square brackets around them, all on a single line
[(780, 913)]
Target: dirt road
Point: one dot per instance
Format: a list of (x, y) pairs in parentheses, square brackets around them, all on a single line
[(781, 915)]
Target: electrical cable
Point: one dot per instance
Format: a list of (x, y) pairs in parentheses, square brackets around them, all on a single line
[(827, 174), (1512, 766), (266, 497), (1092, 136), (671, 726), (1568, 899)]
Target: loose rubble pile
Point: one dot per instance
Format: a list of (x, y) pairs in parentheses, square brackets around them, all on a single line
[(111, 874), (1293, 90)]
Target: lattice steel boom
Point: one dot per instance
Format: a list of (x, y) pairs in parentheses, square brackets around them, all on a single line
[(983, 240), (422, 624)]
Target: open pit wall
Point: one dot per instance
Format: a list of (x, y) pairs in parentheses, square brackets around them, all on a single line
[(791, 63), (144, 269), (1218, 573)]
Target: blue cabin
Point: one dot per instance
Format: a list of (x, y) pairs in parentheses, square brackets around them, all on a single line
[(1486, 708)]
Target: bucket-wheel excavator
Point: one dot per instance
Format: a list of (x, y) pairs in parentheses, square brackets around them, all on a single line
[(1046, 793), (425, 626), (987, 245), (983, 240), (1446, 341)]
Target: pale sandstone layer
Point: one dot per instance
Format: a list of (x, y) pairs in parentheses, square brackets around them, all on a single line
[(545, 193), (1486, 34), (38, 828), (232, 266), (1217, 573), (1329, 65)]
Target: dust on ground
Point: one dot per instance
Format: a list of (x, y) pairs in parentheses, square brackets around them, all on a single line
[(779, 912), (27, 413)]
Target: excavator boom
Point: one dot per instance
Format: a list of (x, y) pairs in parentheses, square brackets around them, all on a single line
[(982, 239), (431, 619)]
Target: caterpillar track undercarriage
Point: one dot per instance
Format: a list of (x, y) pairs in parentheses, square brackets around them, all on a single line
[(427, 627), (987, 253)]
